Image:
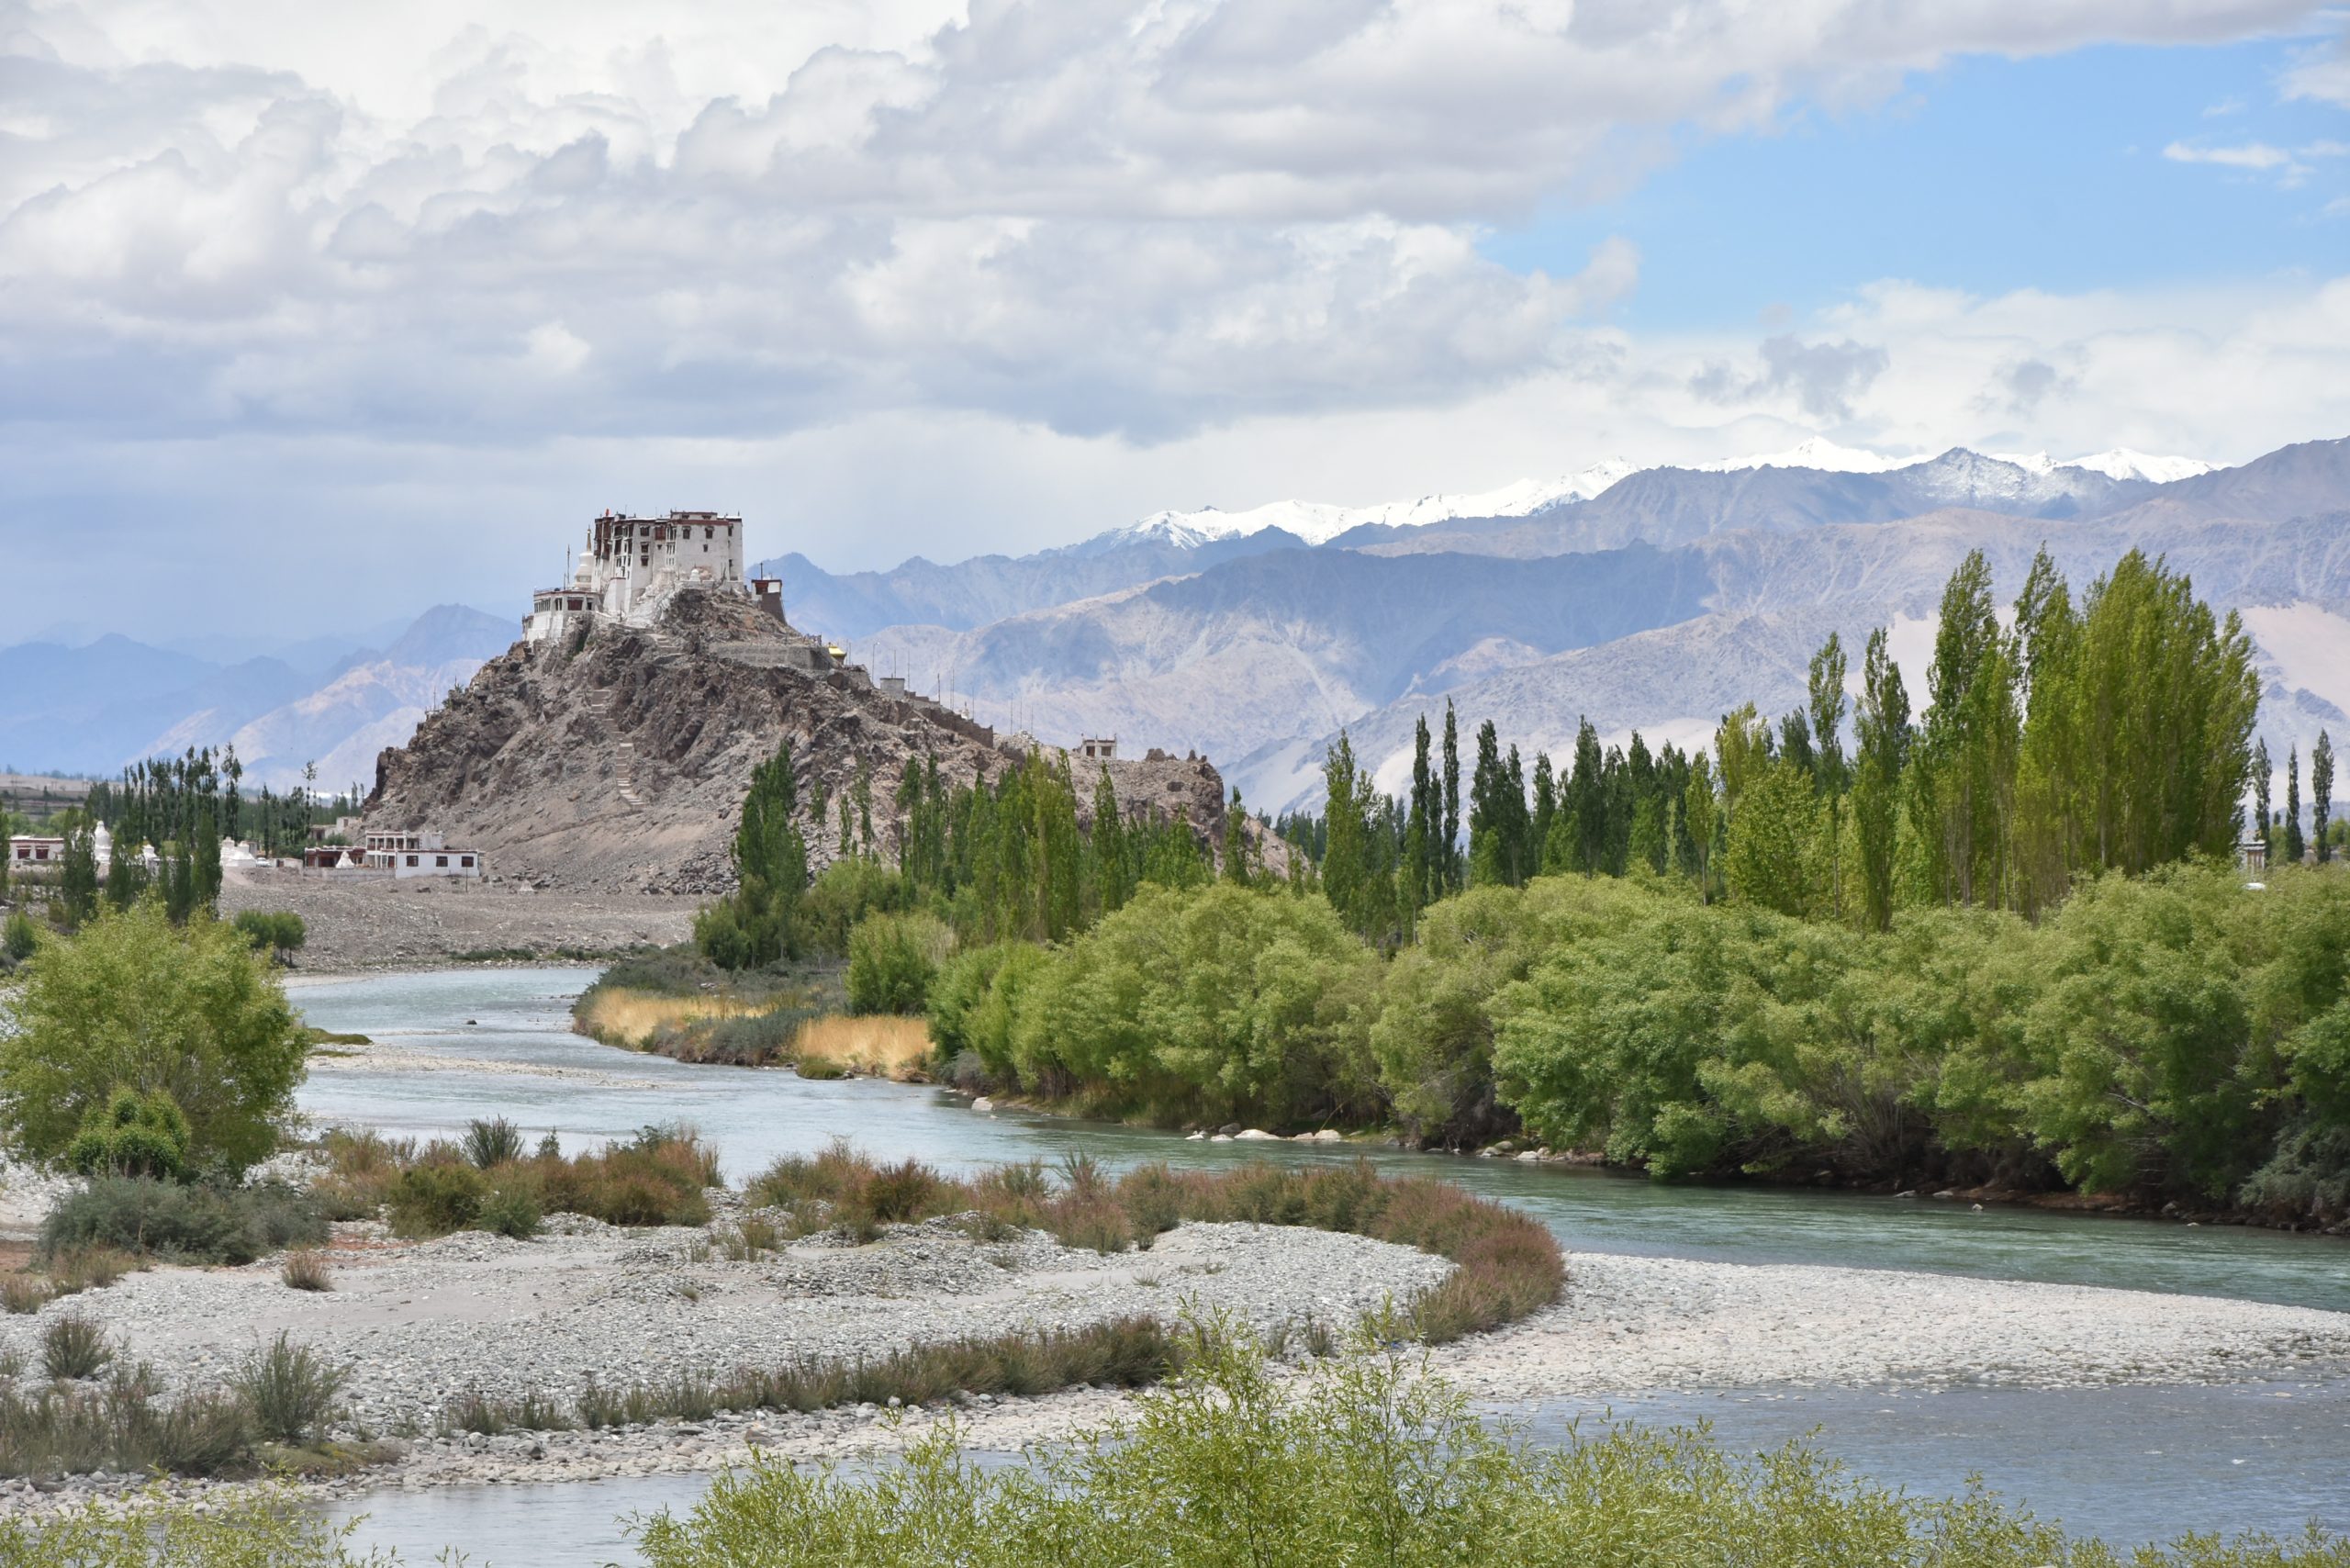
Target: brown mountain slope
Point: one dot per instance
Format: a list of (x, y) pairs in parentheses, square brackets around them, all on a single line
[(621, 765)]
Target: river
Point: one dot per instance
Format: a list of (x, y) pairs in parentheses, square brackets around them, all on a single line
[(2252, 1455)]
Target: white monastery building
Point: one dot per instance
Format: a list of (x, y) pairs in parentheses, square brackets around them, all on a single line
[(632, 566)]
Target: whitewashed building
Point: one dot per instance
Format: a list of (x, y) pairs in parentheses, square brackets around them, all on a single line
[(632, 565)]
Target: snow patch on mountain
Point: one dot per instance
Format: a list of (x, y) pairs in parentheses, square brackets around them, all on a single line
[(1318, 523), (2120, 462), (1818, 452)]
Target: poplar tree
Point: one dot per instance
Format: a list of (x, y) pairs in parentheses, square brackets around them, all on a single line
[(1827, 705), (1546, 812), (1235, 840), (1450, 844), (1422, 872), (1581, 822), (2322, 793), (1488, 821), (2293, 845), (1346, 852), (757, 923), (1964, 773), (1881, 748), (1111, 880), (1700, 810)]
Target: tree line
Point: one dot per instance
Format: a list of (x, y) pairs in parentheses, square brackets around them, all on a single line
[(2111, 733), (991, 860)]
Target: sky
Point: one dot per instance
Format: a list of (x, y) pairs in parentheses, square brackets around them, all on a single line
[(312, 315)]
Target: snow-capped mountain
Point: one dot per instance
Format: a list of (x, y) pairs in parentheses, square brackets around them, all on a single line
[(1318, 523), (1818, 452), (2119, 462)]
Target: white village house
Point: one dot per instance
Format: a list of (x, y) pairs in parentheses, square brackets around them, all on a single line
[(409, 854)]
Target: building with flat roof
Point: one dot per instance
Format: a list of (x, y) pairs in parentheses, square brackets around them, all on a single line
[(632, 567)]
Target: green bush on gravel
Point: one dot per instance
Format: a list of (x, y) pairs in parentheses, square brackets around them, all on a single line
[(1368, 1457), (179, 1223)]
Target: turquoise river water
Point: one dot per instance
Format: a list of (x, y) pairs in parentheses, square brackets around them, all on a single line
[(2129, 1463)]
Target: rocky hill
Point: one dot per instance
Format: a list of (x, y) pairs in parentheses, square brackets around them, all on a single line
[(620, 765)]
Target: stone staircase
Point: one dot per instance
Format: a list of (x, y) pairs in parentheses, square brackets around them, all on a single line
[(623, 752)]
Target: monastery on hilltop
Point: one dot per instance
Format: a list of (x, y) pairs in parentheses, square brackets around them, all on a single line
[(634, 565)]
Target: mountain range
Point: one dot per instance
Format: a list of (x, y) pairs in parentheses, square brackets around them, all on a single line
[(93, 708), (1651, 599)]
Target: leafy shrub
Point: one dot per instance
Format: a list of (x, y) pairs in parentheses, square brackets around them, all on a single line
[(91, 1268), (289, 1389), (493, 1142), (198, 1223), (280, 932), (19, 937), (434, 1199), (189, 1012), (73, 1346), (510, 1209), (892, 959), (131, 1135), (1368, 1457), (305, 1270), (125, 1424)]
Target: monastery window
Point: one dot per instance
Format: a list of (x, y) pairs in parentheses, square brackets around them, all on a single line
[(412, 859), (466, 861), (442, 861)]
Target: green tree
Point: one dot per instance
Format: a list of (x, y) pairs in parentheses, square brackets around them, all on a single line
[(1217, 1002), (758, 922), (1450, 838), (77, 879), (1235, 840), (1700, 813), (134, 1003), (2321, 794), (892, 959), (1113, 873), (1962, 772), (1348, 872), (2294, 847), (1881, 744), (1423, 859), (1773, 838), (2137, 1038), (1827, 708)]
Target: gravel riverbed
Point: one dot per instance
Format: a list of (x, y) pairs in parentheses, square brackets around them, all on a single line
[(417, 1323)]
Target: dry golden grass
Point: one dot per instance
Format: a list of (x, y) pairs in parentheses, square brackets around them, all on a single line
[(620, 1017), (881, 1046)]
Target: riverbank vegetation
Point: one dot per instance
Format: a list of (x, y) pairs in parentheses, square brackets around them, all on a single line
[(488, 1181), (185, 1018), (93, 1410), (2000, 944), (1369, 1457), (1506, 1267)]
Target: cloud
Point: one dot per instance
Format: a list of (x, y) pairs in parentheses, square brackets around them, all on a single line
[(2291, 166), (1138, 216), (1822, 379), (2322, 74), (2250, 155), (2018, 388)]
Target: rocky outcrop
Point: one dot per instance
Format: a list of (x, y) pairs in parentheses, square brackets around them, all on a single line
[(618, 763)]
